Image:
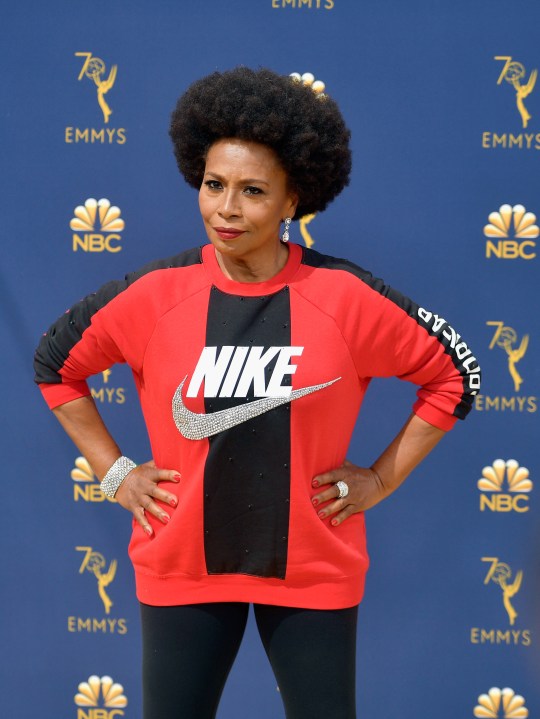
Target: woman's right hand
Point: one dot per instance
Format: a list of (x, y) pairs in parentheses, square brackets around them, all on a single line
[(140, 489)]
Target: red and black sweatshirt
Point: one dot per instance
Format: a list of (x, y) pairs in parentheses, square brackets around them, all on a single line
[(249, 390)]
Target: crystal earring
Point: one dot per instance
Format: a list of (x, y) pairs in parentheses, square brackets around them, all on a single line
[(285, 236)]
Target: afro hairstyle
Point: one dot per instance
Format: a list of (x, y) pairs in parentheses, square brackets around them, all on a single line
[(306, 132)]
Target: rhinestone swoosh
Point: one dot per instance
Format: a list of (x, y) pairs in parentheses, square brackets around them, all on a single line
[(193, 425)]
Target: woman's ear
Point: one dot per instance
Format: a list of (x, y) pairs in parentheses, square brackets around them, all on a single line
[(293, 204)]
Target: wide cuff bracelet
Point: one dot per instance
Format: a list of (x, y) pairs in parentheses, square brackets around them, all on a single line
[(116, 475)]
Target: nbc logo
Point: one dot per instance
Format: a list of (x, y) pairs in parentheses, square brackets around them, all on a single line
[(501, 704), (86, 486), (100, 691), (500, 227), (491, 486), (85, 220)]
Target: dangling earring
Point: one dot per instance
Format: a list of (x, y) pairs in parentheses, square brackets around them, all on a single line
[(285, 236)]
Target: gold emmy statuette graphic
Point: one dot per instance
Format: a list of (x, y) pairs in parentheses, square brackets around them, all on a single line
[(513, 72), (500, 573), (95, 688), (94, 562), (93, 68), (512, 705), (318, 88), (517, 477), (304, 221), (506, 337)]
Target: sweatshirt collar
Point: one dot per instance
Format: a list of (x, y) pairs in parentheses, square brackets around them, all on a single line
[(251, 289)]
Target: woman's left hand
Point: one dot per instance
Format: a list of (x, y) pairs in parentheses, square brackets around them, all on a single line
[(365, 491)]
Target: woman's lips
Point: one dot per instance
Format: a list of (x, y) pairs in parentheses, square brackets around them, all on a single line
[(228, 233)]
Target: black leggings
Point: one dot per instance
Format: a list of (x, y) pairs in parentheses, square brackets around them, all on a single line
[(189, 650)]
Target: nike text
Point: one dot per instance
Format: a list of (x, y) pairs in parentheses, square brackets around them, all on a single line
[(234, 370)]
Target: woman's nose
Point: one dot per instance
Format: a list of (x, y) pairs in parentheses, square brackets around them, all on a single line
[(229, 204)]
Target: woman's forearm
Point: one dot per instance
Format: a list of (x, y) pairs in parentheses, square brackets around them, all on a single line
[(140, 488), (84, 425), (412, 444), (365, 486)]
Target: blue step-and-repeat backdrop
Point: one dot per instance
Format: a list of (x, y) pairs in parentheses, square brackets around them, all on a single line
[(443, 101)]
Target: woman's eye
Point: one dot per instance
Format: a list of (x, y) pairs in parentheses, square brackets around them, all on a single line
[(249, 190), (213, 184)]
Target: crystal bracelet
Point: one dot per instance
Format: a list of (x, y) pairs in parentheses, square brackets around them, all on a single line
[(116, 475)]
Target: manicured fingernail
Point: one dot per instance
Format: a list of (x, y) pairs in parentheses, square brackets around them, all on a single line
[(148, 530), (334, 523), (165, 518), (173, 502), (321, 515), (177, 477), (315, 483), (315, 502)]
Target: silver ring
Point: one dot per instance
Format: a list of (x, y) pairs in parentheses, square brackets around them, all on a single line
[(343, 488)]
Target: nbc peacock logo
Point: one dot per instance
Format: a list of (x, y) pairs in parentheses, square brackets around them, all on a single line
[(501, 704), (100, 698), (85, 483), (511, 233), (501, 475), (97, 215)]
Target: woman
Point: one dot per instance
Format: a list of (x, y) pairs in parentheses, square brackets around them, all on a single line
[(251, 357)]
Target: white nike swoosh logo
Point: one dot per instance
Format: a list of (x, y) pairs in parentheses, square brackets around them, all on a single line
[(193, 425)]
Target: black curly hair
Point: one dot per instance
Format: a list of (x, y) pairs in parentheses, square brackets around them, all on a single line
[(307, 132)]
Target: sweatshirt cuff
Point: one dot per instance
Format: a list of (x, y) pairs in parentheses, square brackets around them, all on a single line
[(434, 416), (57, 394)]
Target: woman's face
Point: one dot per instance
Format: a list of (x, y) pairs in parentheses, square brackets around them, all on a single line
[(243, 198)]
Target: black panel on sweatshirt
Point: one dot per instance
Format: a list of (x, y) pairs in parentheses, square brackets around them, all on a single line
[(50, 355), (312, 258), (247, 472)]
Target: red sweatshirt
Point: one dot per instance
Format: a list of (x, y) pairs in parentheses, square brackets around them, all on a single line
[(249, 390)]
